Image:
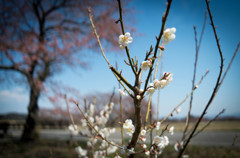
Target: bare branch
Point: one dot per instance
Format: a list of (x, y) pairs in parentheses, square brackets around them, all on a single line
[(171, 113), (164, 19), (118, 75), (215, 88), (230, 63), (194, 72), (209, 122), (123, 31)]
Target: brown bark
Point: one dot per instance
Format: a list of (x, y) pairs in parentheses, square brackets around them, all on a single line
[(30, 132), (138, 123)]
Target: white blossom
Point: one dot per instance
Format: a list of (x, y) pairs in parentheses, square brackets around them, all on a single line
[(143, 132), (171, 130), (143, 138), (127, 124), (83, 122), (130, 130), (91, 109), (138, 97), (144, 146), (122, 92), (80, 151), (168, 35), (147, 152), (146, 64), (169, 78), (157, 83), (73, 129), (151, 90), (178, 110), (178, 146), (129, 127), (161, 142), (131, 151), (111, 149), (91, 119), (124, 40), (158, 125)]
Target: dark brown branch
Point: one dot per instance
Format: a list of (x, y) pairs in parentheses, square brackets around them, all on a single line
[(209, 122), (164, 19), (13, 68), (215, 88), (123, 32)]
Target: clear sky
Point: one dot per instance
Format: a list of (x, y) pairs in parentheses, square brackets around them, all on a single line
[(178, 58)]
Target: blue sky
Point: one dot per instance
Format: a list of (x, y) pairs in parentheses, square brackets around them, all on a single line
[(178, 58)]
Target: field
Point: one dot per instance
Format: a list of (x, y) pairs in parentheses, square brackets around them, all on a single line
[(65, 149), (54, 148), (214, 126)]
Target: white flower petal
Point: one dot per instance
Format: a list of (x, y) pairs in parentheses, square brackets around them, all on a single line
[(127, 34), (173, 30)]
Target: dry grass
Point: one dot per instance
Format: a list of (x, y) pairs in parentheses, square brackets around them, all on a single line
[(64, 149), (214, 126)]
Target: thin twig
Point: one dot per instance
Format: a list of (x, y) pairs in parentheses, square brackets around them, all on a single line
[(156, 67), (230, 63), (232, 145), (209, 122), (91, 126), (174, 109), (164, 19), (117, 74), (215, 88), (123, 31), (194, 72), (158, 97), (121, 113)]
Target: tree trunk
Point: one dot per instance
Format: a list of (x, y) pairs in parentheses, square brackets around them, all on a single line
[(30, 132), (138, 124)]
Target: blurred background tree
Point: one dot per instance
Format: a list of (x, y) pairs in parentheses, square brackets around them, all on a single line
[(39, 37)]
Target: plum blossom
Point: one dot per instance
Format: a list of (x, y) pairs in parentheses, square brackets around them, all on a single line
[(143, 132), (73, 129), (122, 92), (158, 125), (178, 110), (169, 78), (178, 146), (168, 35), (124, 40), (147, 152), (81, 152), (161, 142), (146, 64), (138, 97), (151, 89), (129, 127), (171, 130), (144, 146)]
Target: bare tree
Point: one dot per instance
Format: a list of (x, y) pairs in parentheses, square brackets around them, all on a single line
[(39, 37)]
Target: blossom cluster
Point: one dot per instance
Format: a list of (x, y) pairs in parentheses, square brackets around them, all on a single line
[(159, 143), (98, 122), (159, 84), (129, 127)]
